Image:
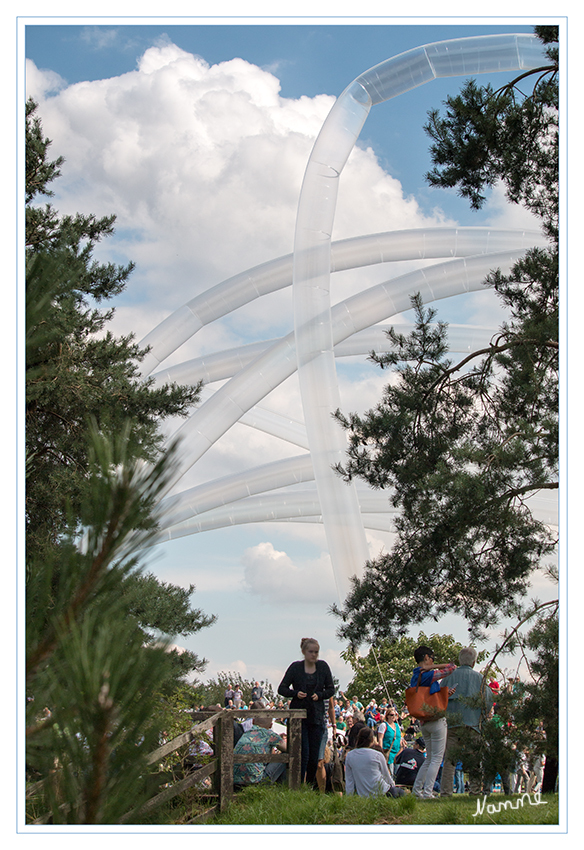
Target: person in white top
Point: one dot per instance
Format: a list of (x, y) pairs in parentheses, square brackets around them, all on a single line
[(366, 771)]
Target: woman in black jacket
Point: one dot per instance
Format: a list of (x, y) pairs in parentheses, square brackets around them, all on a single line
[(308, 684)]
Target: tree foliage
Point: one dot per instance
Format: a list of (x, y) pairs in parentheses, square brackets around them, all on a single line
[(525, 715), (489, 136), (159, 609), (76, 369), (463, 446), (386, 670), (98, 669), (92, 686), (77, 373), (96, 675), (541, 703)]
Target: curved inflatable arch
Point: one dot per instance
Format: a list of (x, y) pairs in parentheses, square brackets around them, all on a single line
[(381, 521), (304, 506), (277, 507), (357, 252), (256, 380), (311, 281), (232, 488), (281, 473), (205, 497), (319, 327), (252, 383), (221, 365), (462, 339)]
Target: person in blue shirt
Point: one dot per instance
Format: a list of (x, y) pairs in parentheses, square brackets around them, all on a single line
[(434, 730), (370, 712)]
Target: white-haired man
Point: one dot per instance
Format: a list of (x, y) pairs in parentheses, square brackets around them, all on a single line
[(465, 711)]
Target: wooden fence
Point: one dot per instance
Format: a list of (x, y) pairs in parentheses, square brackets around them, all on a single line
[(221, 765)]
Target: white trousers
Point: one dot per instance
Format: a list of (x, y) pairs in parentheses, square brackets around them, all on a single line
[(434, 733)]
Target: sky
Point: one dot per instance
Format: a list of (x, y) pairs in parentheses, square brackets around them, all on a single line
[(196, 137)]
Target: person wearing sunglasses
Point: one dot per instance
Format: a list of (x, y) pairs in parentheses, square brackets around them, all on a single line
[(389, 736)]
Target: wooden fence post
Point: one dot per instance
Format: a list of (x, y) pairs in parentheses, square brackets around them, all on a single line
[(224, 752), (294, 752)]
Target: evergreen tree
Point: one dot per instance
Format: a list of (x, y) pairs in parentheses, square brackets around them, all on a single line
[(77, 372), (525, 715), (92, 686), (75, 368), (161, 609), (464, 445), (541, 703)]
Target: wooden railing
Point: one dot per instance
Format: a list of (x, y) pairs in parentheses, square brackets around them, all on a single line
[(221, 766)]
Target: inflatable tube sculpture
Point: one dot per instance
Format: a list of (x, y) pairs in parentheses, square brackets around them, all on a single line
[(316, 209), (322, 332)]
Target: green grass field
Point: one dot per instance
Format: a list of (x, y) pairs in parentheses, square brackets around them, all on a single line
[(278, 806)]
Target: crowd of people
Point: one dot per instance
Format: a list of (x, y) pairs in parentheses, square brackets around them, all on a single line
[(382, 748)]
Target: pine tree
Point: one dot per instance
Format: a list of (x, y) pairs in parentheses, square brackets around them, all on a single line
[(93, 688), (76, 369), (161, 609), (77, 372)]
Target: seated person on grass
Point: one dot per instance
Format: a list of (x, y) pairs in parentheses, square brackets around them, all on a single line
[(408, 762), (259, 740), (366, 770)]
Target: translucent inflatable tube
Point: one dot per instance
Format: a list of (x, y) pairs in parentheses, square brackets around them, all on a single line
[(374, 522), (271, 476), (213, 418), (284, 428), (272, 508), (311, 277), (304, 505), (299, 506), (262, 419), (205, 498), (356, 252), (222, 365), (231, 488), (371, 522), (462, 339)]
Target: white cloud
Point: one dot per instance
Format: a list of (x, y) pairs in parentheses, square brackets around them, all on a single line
[(501, 213), (236, 666), (41, 82), (202, 164), (274, 577)]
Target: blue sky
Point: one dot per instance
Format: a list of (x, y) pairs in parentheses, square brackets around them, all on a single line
[(112, 97), (308, 59)]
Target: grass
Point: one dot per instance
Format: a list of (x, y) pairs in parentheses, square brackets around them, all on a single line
[(278, 806)]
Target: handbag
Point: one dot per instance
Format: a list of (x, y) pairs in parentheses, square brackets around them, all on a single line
[(424, 705)]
